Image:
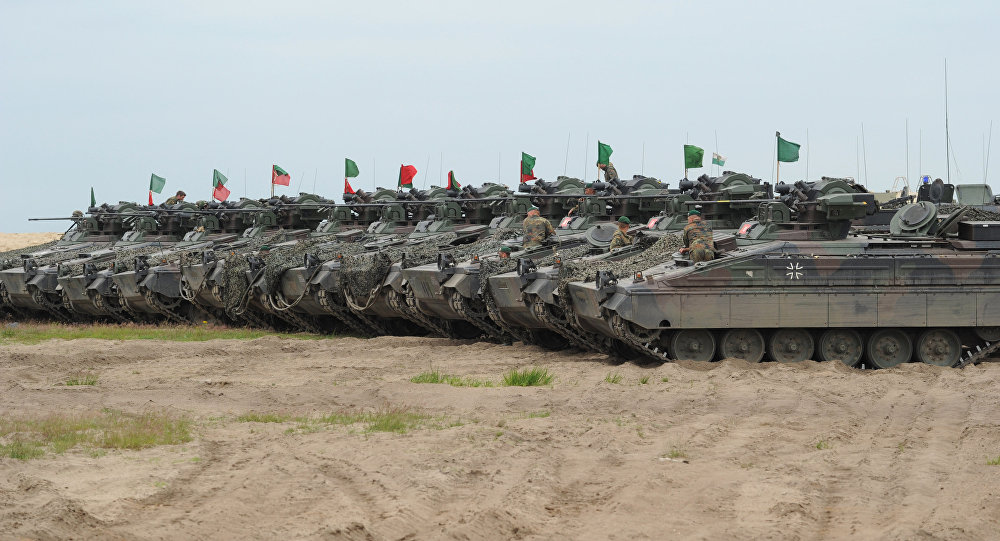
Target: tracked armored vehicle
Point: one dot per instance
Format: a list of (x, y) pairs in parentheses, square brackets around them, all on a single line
[(528, 296), (361, 285), (35, 288), (803, 288), (451, 289)]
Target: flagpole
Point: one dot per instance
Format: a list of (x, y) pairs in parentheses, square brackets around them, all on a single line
[(315, 176), (428, 167), (947, 137), (272, 181), (716, 151), (586, 157), (807, 154), (777, 164), (566, 163)]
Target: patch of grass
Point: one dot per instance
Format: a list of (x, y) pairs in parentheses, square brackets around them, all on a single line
[(107, 430), (538, 414), (21, 450), (455, 381), (675, 453), (82, 379), (822, 444), (665, 380), (262, 418), (643, 380), (993, 461), (33, 333), (398, 419), (528, 377), (613, 377)]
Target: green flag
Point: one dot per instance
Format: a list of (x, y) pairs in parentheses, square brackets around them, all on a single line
[(787, 150), (218, 179), (603, 153), (350, 168), (527, 167), (156, 183), (93, 200), (693, 156)]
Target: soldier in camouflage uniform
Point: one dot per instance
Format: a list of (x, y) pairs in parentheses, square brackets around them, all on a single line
[(698, 241), (588, 190), (536, 229), (176, 198), (609, 171), (621, 236), (504, 252)]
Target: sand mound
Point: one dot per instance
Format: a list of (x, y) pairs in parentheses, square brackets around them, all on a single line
[(736, 451)]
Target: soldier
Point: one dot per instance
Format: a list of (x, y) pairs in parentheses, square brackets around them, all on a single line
[(936, 191), (698, 238), (588, 190), (609, 171), (177, 198), (77, 214), (504, 252), (536, 229), (621, 236)]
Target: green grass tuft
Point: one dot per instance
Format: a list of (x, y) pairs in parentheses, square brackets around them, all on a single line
[(21, 450), (665, 380), (33, 333), (262, 418), (643, 380), (455, 381), (82, 379), (676, 453), (822, 444), (993, 461), (538, 414), (107, 430), (398, 419), (613, 377), (529, 377)]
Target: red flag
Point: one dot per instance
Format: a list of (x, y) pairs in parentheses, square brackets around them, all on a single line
[(406, 174), (347, 186), (220, 192), (279, 176), (150, 197)]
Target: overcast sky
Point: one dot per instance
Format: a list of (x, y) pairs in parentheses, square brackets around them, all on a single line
[(104, 93)]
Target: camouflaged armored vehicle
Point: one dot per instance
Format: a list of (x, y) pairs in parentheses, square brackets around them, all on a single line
[(452, 289), (799, 287), (528, 295), (357, 281), (33, 285)]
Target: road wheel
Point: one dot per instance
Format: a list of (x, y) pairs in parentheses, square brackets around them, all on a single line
[(746, 344), (692, 345), (939, 347), (889, 347), (791, 345), (842, 345)]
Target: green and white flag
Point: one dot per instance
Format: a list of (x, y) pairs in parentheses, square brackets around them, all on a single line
[(718, 159)]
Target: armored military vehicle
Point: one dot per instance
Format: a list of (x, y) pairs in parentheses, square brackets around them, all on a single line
[(361, 284), (34, 286), (923, 292)]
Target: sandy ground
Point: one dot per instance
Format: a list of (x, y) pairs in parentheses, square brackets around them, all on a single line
[(703, 451), (13, 241)]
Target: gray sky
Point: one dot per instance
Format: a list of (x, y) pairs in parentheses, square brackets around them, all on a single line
[(104, 93)]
